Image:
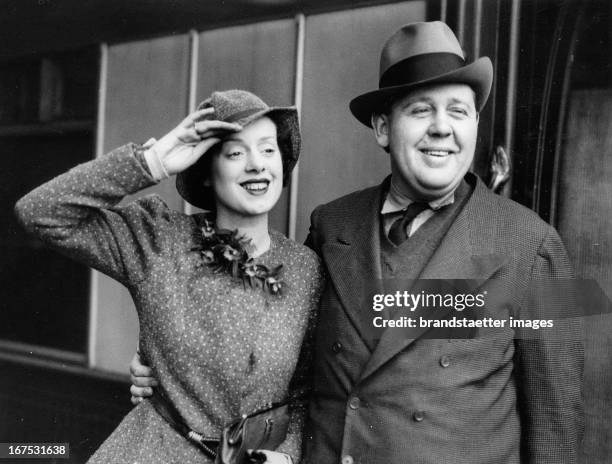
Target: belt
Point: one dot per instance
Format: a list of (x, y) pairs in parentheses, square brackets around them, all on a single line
[(170, 414)]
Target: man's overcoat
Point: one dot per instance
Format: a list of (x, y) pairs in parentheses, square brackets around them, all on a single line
[(498, 396)]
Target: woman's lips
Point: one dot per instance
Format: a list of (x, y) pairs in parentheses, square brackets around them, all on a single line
[(256, 186)]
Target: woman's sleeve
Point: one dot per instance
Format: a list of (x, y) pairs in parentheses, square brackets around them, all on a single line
[(76, 213), (301, 383)]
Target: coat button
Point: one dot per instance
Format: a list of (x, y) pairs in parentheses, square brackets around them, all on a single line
[(337, 347), (347, 459), (354, 403), (444, 361), (418, 416)]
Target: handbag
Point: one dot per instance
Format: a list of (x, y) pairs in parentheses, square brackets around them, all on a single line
[(263, 429)]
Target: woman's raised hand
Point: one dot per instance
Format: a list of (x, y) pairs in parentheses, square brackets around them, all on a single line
[(187, 142)]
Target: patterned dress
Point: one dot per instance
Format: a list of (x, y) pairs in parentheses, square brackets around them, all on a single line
[(219, 349)]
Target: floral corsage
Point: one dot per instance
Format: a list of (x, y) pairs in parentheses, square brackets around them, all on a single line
[(225, 251)]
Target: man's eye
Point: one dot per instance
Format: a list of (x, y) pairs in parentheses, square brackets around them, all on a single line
[(420, 110), (459, 110), (234, 154)]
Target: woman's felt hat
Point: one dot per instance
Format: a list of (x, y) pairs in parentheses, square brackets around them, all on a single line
[(421, 54), (240, 107)]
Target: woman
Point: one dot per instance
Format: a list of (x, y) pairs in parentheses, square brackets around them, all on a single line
[(221, 323)]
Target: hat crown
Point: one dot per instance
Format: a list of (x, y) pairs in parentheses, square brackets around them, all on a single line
[(233, 105), (418, 54), (417, 39)]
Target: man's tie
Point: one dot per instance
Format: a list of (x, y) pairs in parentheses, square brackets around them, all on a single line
[(397, 232)]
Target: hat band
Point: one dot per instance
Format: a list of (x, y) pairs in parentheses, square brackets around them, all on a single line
[(243, 114), (419, 68)]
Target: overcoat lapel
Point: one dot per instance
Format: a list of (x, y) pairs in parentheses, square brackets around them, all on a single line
[(461, 255), (353, 262)]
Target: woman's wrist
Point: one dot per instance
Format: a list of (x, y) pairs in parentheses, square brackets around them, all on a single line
[(153, 161)]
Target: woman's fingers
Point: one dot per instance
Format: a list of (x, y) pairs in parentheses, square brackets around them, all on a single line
[(197, 115), (204, 146), (256, 457), (187, 155), (202, 122), (204, 128), (186, 143)]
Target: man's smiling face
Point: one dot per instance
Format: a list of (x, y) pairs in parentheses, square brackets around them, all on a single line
[(430, 134)]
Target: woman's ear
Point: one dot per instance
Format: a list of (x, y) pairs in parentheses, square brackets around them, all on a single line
[(207, 182), (380, 124)]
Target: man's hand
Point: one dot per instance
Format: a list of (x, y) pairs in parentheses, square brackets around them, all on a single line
[(142, 380), (186, 143)]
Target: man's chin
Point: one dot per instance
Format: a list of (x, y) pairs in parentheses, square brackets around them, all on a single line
[(433, 190)]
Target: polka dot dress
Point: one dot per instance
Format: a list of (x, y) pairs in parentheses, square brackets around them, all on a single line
[(218, 348)]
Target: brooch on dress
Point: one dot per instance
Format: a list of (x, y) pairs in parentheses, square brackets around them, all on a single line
[(225, 251)]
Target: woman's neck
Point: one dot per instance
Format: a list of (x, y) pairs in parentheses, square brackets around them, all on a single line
[(254, 228)]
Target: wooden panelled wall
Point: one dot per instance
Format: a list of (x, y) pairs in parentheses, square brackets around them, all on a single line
[(490, 28), (148, 86), (584, 212), (145, 94), (341, 61)]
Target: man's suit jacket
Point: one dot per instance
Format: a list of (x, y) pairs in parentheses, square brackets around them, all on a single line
[(491, 399)]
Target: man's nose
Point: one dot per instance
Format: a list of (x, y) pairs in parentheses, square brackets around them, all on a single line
[(440, 125), (255, 162)]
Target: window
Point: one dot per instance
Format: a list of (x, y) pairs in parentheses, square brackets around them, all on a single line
[(47, 125)]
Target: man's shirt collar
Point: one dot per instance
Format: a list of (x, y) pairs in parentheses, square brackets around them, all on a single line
[(396, 201)]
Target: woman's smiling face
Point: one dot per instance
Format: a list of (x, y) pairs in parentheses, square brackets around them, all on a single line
[(247, 172)]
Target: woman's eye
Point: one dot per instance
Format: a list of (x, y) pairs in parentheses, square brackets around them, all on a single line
[(234, 154), (269, 150)]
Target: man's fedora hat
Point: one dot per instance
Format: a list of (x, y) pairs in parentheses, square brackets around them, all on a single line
[(419, 54), (240, 107)]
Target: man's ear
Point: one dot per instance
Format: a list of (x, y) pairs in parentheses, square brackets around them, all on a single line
[(380, 124), (207, 182)]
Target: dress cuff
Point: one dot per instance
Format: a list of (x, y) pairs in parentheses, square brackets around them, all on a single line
[(151, 161)]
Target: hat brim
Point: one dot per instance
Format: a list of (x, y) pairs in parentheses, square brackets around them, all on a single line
[(190, 183), (478, 75)]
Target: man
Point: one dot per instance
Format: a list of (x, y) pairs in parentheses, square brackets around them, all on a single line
[(410, 398), (407, 396)]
